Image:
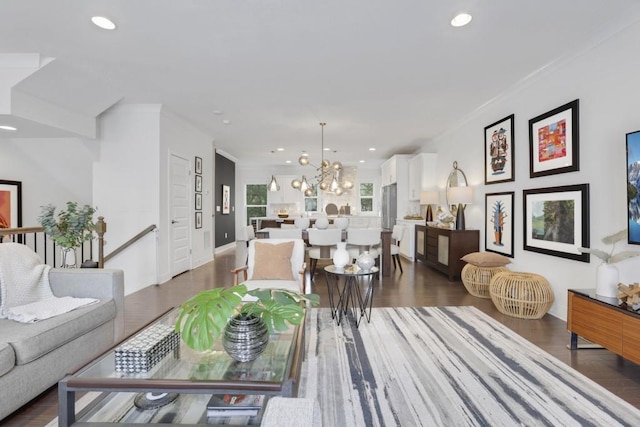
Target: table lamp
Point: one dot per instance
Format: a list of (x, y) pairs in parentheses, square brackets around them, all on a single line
[(460, 196), (429, 198)]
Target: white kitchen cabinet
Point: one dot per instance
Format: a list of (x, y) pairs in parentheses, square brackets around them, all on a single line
[(394, 169), (422, 174), (287, 194)]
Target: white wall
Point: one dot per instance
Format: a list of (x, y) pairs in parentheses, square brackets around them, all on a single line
[(606, 80), (52, 171)]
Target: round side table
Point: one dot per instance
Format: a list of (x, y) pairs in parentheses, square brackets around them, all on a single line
[(357, 289)]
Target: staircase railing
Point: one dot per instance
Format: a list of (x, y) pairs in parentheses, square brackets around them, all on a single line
[(130, 242), (36, 239)]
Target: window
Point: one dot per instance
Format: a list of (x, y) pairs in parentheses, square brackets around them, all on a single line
[(256, 201), (311, 202), (366, 197)]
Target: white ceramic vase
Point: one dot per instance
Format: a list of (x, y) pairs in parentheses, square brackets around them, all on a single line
[(365, 261), (341, 255), (607, 279)]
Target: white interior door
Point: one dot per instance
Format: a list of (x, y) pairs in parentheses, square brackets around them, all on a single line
[(179, 216)]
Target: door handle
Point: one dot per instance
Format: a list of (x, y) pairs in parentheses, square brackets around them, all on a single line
[(173, 221)]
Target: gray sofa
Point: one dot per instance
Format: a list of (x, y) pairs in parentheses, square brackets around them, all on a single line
[(35, 356)]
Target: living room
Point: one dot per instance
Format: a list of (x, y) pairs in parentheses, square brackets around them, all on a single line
[(122, 164)]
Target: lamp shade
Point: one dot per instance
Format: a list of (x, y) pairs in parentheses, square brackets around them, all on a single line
[(429, 197), (273, 185), (460, 195)]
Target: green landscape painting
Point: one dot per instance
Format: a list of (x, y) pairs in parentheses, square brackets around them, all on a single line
[(554, 221)]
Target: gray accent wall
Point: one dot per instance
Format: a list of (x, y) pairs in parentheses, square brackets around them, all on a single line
[(225, 174)]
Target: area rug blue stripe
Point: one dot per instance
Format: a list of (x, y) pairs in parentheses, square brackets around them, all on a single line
[(445, 366)]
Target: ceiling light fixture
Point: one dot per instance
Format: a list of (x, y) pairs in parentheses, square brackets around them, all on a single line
[(104, 23), (273, 185), (461, 19), (7, 127), (327, 175)]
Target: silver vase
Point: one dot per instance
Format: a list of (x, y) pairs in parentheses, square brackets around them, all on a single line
[(245, 337)]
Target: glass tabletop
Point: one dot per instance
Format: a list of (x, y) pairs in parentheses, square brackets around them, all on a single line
[(350, 270), (175, 361)]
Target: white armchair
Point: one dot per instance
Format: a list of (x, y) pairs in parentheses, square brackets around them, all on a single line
[(271, 263)]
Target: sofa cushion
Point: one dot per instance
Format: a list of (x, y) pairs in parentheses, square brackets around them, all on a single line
[(33, 340), (7, 358)]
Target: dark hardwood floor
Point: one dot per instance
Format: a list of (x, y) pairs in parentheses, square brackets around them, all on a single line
[(417, 286)]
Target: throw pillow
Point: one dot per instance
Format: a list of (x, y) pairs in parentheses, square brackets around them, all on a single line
[(272, 261), (486, 259)]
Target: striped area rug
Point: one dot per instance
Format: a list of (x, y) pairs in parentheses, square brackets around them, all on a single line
[(445, 366)]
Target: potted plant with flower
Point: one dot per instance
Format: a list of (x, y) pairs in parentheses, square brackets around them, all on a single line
[(607, 274), (244, 327), (68, 228)]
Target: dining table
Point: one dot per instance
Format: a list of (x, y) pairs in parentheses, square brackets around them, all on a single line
[(385, 239)]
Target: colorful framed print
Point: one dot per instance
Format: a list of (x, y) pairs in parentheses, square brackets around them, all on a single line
[(633, 187), (556, 221), (198, 165), (226, 200), (198, 201), (498, 152), (198, 219), (498, 229), (199, 183), (554, 141), (10, 204)]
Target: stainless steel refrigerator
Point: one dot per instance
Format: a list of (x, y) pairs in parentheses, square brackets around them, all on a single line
[(389, 205)]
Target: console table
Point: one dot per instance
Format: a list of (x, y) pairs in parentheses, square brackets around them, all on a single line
[(602, 321), (445, 247)]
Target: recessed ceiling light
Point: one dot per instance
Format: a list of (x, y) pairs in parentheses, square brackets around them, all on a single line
[(288, 161), (461, 19), (104, 23), (7, 127), (327, 149), (226, 122), (279, 149), (372, 149), (361, 161), (218, 112)]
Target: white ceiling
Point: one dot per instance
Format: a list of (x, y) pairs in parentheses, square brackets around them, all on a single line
[(381, 73)]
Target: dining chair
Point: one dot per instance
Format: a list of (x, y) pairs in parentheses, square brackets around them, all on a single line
[(322, 242), (396, 234), (285, 233), (363, 239)]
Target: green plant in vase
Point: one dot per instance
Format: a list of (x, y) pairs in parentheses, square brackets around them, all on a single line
[(68, 228), (205, 316)]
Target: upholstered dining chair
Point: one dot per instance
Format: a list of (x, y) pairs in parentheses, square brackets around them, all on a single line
[(322, 243), (273, 263), (364, 239), (248, 234), (285, 233), (396, 235)]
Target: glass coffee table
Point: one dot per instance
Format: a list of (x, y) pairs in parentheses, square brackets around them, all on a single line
[(193, 376)]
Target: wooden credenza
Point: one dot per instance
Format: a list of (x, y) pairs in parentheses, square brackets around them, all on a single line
[(601, 321), (444, 248)]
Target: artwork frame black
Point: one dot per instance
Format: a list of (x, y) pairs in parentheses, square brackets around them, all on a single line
[(499, 157), (198, 219), (554, 141), (198, 165), (499, 222), (633, 187), (564, 211), (10, 204)]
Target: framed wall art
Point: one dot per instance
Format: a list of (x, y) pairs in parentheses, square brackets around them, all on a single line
[(10, 204), (198, 201), (554, 141), (199, 183), (198, 165), (198, 219), (556, 221), (226, 199), (498, 229), (498, 152), (633, 187)]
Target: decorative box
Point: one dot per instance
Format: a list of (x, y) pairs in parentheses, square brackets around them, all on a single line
[(145, 350)]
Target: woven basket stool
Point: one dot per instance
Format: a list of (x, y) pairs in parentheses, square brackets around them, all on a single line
[(476, 279), (522, 295)]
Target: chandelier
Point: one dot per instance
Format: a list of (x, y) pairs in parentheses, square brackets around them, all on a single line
[(328, 175)]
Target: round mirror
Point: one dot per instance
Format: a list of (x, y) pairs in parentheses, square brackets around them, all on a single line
[(456, 178)]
